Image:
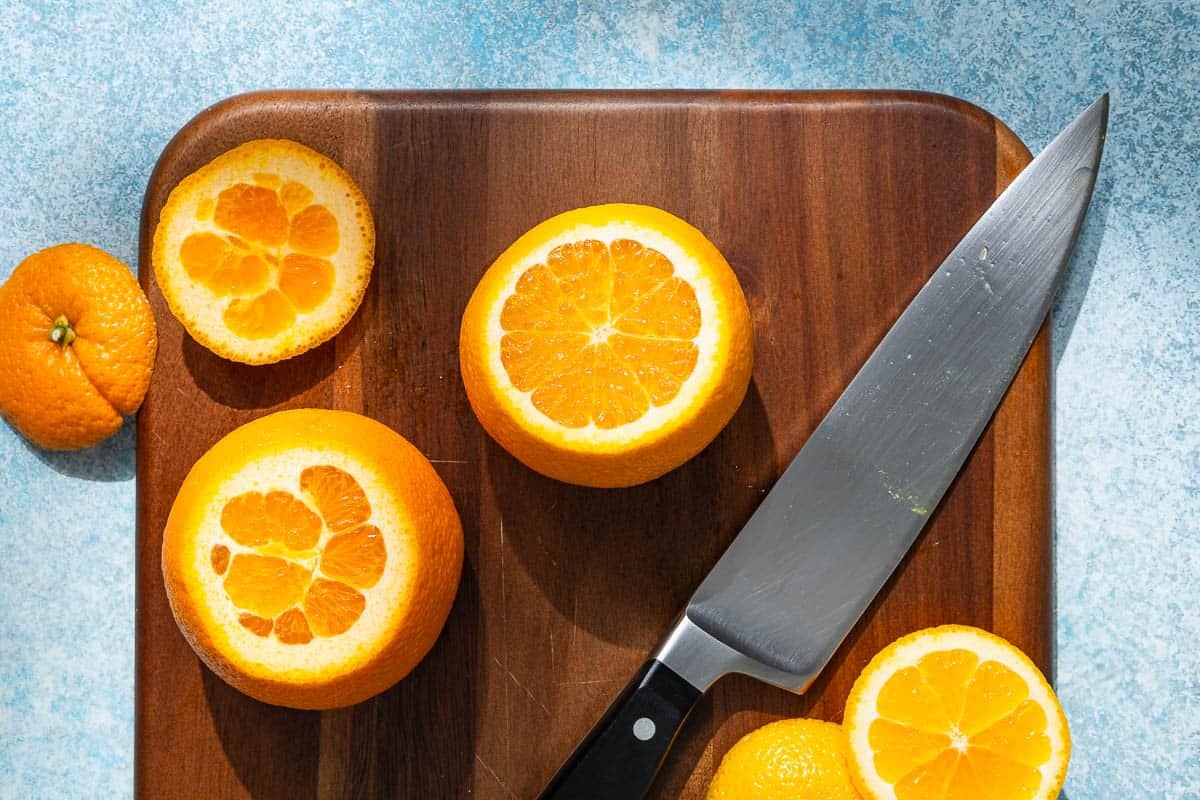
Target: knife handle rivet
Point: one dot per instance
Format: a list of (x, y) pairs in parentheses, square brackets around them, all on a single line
[(643, 729)]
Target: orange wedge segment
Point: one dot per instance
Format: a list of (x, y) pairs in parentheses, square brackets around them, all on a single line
[(265, 251), (607, 345)]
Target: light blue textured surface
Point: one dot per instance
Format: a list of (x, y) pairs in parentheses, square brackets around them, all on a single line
[(90, 94)]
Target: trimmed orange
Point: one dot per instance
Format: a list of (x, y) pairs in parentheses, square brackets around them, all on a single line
[(311, 558), (77, 346), (786, 760), (607, 345), (955, 713), (264, 252)]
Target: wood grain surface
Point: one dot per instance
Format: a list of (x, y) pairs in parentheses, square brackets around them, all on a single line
[(832, 207)]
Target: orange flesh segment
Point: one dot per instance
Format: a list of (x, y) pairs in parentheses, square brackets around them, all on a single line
[(292, 522), (244, 519), (338, 497), (618, 397), (265, 585), (995, 692), (661, 365), (669, 312), (600, 333), (1020, 736), (220, 559), (305, 280), (566, 396), (948, 673), (266, 214), (254, 520), (332, 607), (929, 781), (538, 304), (899, 748), (266, 179), (239, 275), (256, 625), (292, 628), (277, 523), (954, 727), (314, 231), (202, 253), (357, 557), (261, 317), (585, 278), (637, 271), (533, 359), (908, 700), (987, 776), (252, 212), (294, 196)]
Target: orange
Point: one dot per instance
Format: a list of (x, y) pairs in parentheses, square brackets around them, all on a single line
[(77, 345), (786, 760), (264, 252), (607, 345), (311, 558), (955, 713)]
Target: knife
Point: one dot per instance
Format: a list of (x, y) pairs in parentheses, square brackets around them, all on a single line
[(822, 543)]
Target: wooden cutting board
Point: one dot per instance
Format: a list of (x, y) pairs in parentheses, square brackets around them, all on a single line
[(833, 208)]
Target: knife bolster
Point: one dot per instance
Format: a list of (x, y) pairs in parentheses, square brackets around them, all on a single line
[(701, 659)]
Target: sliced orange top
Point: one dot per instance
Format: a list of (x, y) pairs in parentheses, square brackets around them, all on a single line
[(265, 251), (311, 558), (955, 713), (607, 345)]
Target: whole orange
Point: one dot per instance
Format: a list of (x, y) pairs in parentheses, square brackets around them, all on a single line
[(77, 345)]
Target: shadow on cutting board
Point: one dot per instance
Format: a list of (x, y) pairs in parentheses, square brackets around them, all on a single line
[(378, 748), (262, 386), (621, 563)]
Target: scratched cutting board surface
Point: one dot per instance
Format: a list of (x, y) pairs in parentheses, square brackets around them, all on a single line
[(832, 207)]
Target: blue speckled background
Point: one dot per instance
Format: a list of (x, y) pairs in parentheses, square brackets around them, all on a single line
[(91, 92)]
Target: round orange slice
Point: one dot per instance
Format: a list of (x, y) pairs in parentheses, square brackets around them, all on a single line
[(311, 558), (607, 345), (264, 252), (955, 713)]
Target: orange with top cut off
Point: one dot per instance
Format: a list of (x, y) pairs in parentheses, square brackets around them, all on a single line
[(311, 558), (607, 345)]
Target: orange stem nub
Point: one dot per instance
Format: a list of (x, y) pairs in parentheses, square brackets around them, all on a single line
[(62, 333)]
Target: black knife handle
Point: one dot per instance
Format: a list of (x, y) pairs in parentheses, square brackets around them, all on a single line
[(621, 755)]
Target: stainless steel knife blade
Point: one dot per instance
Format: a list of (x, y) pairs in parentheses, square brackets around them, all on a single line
[(837, 522), (846, 510)]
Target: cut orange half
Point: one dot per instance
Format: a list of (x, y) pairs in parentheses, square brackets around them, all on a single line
[(265, 251), (607, 345), (955, 713), (311, 558)]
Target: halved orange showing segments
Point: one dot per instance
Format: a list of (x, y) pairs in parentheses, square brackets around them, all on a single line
[(311, 558), (264, 252), (955, 713), (607, 345)]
